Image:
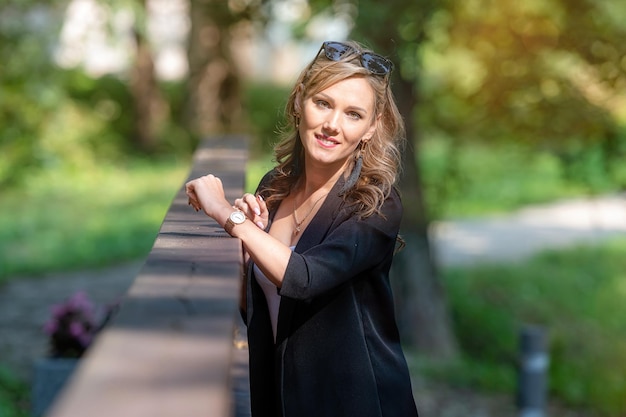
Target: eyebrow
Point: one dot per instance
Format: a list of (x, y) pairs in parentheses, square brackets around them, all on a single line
[(329, 98)]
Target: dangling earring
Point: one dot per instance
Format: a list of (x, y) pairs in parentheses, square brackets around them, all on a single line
[(356, 171)]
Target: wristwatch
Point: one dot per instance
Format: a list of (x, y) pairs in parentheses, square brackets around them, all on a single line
[(235, 218)]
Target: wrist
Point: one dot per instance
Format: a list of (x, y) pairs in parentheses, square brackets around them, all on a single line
[(235, 218)]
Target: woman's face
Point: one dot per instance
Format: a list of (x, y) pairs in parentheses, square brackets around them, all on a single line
[(335, 120)]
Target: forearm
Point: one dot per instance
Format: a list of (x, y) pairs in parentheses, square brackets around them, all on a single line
[(268, 253)]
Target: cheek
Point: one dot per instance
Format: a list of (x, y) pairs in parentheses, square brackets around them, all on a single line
[(355, 134), (310, 117)]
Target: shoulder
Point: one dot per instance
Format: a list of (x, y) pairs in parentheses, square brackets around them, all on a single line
[(393, 201), (391, 210), (389, 206), (386, 219)]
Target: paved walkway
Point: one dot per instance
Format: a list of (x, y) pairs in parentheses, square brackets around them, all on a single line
[(530, 230), (25, 306)]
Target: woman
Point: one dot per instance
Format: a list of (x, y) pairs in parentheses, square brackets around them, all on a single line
[(320, 235)]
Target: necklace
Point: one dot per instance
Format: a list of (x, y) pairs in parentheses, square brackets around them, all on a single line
[(295, 215)]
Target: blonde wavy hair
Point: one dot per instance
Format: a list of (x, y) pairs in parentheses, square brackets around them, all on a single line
[(381, 154)]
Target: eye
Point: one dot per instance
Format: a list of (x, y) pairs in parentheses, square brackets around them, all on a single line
[(322, 103), (354, 115)]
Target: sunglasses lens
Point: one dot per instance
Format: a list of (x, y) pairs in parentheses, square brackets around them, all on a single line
[(334, 50), (376, 64)]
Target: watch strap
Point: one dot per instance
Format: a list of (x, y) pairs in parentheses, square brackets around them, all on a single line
[(229, 226)]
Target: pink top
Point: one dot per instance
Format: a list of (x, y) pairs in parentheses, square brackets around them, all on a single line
[(271, 295)]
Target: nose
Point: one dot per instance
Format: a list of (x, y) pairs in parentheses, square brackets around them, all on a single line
[(331, 124)]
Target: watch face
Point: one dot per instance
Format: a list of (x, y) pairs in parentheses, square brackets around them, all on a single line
[(238, 217)]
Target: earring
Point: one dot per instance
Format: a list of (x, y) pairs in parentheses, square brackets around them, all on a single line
[(356, 171)]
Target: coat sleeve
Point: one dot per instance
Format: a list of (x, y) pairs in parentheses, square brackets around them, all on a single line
[(351, 248)]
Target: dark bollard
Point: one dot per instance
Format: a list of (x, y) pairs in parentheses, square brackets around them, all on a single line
[(532, 382)]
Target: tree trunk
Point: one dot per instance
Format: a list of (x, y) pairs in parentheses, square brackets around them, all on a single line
[(213, 99), (422, 306), (148, 104)]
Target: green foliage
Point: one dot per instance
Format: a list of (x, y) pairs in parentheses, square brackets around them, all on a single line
[(29, 92), (174, 137), (64, 219), (264, 107), (105, 101), (51, 117), (13, 395), (576, 294), (255, 170), (466, 372), (468, 179), (548, 74)]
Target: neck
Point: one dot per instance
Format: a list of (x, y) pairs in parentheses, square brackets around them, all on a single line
[(319, 178), (316, 184)]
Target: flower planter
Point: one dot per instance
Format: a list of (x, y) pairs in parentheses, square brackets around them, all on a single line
[(71, 328), (50, 375)]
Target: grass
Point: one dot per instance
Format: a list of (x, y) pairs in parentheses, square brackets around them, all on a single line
[(13, 395), (474, 179), (63, 219), (576, 294)]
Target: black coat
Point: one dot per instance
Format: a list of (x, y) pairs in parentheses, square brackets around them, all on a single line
[(337, 350)]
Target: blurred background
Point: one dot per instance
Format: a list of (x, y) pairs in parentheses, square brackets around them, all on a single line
[(507, 104)]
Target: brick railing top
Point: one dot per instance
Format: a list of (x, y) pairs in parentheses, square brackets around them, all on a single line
[(168, 351)]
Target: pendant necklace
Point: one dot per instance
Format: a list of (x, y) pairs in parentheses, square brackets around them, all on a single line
[(295, 215)]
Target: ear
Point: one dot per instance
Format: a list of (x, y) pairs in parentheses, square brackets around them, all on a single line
[(298, 99)]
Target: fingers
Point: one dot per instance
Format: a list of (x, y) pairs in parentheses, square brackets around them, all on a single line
[(191, 194), (254, 207), (262, 206), (194, 204), (262, 213), (247, 203)]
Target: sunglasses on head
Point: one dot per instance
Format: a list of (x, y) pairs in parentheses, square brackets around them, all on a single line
[(374, 63)]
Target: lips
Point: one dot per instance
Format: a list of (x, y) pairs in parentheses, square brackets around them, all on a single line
[(326, 141)]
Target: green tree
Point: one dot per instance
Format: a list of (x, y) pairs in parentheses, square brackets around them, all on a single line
[(547, 74), (29, 91)]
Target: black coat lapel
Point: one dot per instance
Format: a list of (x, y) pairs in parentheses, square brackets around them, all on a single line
[(314, 234)]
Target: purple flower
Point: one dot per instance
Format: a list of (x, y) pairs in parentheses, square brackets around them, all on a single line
[(50, 327), (73, 325), (76, 329), (59, 310), (80, 302)]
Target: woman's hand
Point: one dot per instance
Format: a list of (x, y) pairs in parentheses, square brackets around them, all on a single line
[(254, 208), (207, 193)]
